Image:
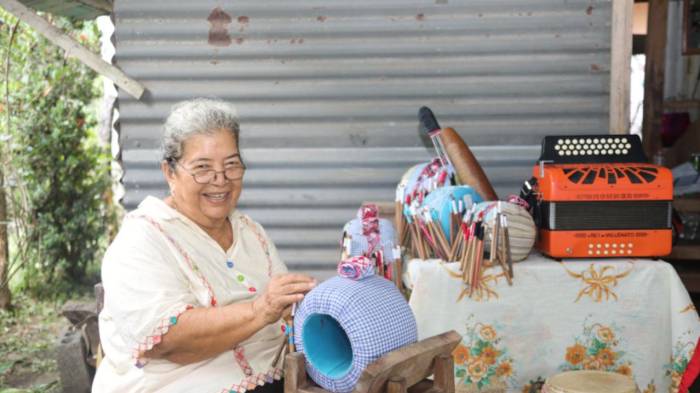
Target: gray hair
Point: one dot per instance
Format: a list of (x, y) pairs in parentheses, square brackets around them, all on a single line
[(199, 116)]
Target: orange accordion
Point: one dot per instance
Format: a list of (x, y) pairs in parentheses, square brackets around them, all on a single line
[(596, 197)]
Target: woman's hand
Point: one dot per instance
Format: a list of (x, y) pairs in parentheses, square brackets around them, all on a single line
[(282, 291)]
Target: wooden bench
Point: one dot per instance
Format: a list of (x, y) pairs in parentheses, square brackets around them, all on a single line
[(403, 370)]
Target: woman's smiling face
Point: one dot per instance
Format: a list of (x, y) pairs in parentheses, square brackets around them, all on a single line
[(206, 204)]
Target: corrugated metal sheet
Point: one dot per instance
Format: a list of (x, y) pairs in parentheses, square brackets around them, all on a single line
[(328, 93), (79, 9)]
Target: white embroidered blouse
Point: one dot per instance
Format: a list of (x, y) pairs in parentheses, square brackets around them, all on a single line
[(162, 264)]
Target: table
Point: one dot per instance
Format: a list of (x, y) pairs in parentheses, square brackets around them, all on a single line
[(631, 316)]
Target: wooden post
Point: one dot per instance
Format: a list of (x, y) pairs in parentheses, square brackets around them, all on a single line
[(396, 385), (444, 377), (294, 372), (621, 54), (654, 76), (73, 48)]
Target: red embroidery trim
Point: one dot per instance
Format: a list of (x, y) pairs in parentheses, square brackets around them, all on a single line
[(239, 355), (263, 243), (253, 381), (189, 260), (158, 332)]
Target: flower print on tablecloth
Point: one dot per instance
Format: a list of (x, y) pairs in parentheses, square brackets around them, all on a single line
[(682, 353), (481, 362), (598, 348), (598, 283), (688, 308), (485, 289)]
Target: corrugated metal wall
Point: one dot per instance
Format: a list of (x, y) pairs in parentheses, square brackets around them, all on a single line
[(328, 93)]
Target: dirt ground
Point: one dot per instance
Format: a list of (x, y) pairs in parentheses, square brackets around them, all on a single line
[(28, 347)]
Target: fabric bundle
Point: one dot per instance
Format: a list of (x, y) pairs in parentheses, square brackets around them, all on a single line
[(356, 268), (343, 325), (372, 237)]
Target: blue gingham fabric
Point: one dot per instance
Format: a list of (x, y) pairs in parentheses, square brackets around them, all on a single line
[(372, 313), (359, 245)]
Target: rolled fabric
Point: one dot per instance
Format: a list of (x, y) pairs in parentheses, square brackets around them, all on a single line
[(343, 325), (356, 268)]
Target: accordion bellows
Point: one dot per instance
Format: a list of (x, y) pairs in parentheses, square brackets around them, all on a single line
[(342, 326)]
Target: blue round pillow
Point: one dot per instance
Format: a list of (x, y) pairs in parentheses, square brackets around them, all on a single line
[(343, 325)]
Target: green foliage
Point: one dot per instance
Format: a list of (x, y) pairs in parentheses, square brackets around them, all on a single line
[(60, 202)]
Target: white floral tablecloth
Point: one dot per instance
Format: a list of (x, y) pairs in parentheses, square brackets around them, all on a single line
[(631, 316)]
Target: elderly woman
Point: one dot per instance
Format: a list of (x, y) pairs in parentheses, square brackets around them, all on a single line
[(195, 291)]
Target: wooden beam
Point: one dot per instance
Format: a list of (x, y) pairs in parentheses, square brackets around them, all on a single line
[(681, 105), (654, 76), (73, 48), (620, 57), (687, 205)]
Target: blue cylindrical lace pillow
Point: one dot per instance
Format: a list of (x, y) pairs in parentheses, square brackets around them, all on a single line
[(440, 203), (343, 325)]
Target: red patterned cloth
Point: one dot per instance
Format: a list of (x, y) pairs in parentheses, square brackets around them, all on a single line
[(356, 268), (692, 371)]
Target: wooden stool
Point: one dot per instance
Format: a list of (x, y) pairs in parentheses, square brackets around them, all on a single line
[(399, 371)]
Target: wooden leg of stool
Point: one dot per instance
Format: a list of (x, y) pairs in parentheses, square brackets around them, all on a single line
[(444, 377), (294, 372), (396, 385)]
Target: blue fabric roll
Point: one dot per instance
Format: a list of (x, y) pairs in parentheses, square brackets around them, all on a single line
[(440, 203), (342, 326)]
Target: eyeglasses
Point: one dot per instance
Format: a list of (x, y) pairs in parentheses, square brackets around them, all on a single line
[(205, 176)]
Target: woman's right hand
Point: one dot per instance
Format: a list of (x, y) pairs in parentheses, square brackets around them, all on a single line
[(282, 291)]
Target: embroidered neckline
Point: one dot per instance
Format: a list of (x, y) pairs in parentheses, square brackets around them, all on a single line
[(261, 240), (190, 262)]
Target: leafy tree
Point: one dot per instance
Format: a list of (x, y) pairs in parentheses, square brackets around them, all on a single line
[(58, 172)]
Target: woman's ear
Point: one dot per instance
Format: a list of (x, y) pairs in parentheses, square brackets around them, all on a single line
[(168, 172), (167, 169)]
